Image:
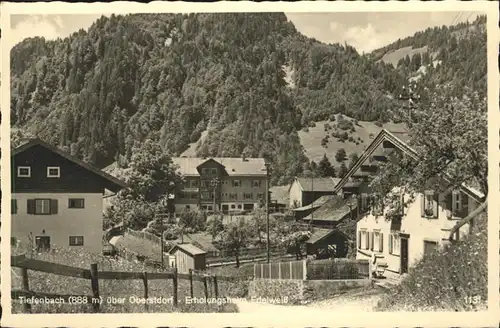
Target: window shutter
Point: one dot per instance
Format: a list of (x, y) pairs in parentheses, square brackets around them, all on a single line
[(465, 205), (53, 206), (422, 205), (381, 243), (372, 239), (359, 239), (13, 205), (390, 243), (435, 204), (402, 200), (31, 206), (449, 202)]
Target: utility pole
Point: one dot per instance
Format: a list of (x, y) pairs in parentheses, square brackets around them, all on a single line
[(267, 214)]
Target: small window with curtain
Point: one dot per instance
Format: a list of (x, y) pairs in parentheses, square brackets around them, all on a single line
[(76, 203), (430, 204)]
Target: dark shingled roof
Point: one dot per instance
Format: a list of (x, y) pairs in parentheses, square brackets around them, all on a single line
[(235, 166), (318, 184), (333, 210), (188, 248)]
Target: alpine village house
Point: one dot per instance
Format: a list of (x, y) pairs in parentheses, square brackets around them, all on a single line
[(423, 225), (57, 200), (231, 185)]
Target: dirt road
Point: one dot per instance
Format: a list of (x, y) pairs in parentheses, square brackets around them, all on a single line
[(354, 301)]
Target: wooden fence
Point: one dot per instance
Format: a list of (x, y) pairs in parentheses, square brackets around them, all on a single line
[(281, 270), (336, 269), (94, 275)]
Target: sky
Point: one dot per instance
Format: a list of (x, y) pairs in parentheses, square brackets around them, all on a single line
[(364, 31)]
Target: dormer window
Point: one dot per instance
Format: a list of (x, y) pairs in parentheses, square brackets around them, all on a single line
[(24, 171), (53, 172)]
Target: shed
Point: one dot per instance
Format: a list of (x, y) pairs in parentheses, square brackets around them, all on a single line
[(188, 256)]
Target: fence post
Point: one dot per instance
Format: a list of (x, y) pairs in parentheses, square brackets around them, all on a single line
[(255, 270), (205, 285), (26, 287), (174, 284), (145, 281), (191, 282), (262, 271), (94, 282), (291, 270), (279, 270), (304, 269), (270, 272), (216, 290)]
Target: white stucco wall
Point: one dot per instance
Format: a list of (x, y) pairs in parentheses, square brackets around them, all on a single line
[(86, 222), (419, 228)]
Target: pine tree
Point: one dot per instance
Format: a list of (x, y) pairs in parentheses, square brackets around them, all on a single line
[(342, 170), (325, 168)]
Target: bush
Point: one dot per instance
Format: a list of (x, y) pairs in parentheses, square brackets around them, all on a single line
[(305, 129), (311, 124), (444, 279)]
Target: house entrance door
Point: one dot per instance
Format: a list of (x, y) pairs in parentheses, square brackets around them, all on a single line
[(403, 254)]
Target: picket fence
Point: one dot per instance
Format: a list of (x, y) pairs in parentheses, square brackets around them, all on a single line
[(330, 269)]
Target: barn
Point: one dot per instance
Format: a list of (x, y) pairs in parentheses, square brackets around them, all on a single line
[(188, 256)]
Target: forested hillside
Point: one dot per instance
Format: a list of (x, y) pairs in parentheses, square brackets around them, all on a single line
[(251, 81)]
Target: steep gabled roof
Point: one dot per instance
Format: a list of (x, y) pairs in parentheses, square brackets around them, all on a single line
[(234, 166), (37, 142), (385, 135)]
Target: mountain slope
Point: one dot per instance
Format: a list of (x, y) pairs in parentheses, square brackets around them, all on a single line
[(246, 82)]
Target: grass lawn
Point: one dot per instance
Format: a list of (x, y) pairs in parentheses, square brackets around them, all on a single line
[(311, 140), (50, 283)]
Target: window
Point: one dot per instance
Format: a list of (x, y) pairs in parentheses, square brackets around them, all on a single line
[(206, 195), (187, 207), (363, 239), (233, 196), (394, 243), (210, 208), (429, 246), (236, 183), (204, 171), (194, 195), (13, 206), (24, 171), (377, 208), (377, 241), (233, 206), (42, 206), (76, 240), (247, 195), (459, 204), (430, 205), (53, 172), (194, 183), (260, 196), (256, 183), (239, 206), (213, 172), (206, 183), (76, 203), (364, 201)]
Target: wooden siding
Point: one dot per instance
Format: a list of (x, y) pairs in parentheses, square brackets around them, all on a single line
[(73, 179), (185, 261)]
